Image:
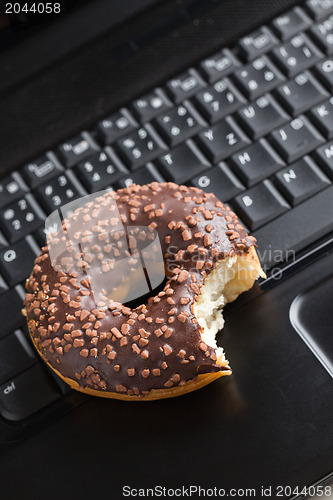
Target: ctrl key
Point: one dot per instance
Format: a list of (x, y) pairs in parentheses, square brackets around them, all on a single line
[(27, 393)]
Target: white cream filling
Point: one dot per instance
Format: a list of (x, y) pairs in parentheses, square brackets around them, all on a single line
[(209, 307), (231, 277)]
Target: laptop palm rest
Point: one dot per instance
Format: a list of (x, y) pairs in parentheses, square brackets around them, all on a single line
[(311, 315)]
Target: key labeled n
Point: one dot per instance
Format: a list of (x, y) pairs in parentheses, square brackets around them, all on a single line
[(288, 176)]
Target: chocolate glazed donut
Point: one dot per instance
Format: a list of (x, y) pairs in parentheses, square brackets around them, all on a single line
[(166, 346)]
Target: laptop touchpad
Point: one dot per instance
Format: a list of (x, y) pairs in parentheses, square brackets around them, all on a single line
[(311, 314)]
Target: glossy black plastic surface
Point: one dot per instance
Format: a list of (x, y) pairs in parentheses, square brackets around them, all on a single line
[(311, 314)]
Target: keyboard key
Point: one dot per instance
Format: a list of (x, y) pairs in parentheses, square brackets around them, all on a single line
[(297, 55), (258, 77), (319, 8), (40, 234), (185, 85), (150, 105), (143, 175), (262, 116), (139, 147), (218, 65), (219, 180), (21, 218), (3, 286), (291, 23), (16, 355), (77, 149), (16, 262), (219, 100), (257, 43), (179, 124), (23, 395), (11, 188), (322, 116), (10, 312), (296, 229), (324, 71), (301, 180), (182, 163), (296, 139), (42, 169), (323, 35), (256, 162), (260, 204), (299, 94), (100, 171), (222, 140), (3, 242), (324, 156), (115, 126), (58, 192)]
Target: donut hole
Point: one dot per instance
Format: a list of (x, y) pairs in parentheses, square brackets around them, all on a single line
[(143, 299), (231, 277)]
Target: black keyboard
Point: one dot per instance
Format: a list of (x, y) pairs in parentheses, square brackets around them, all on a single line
[(253, 124)]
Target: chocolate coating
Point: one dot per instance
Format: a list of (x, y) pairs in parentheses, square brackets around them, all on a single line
[(106, 346)]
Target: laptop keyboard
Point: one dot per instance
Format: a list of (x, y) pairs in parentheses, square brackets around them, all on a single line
[(253, 124)]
